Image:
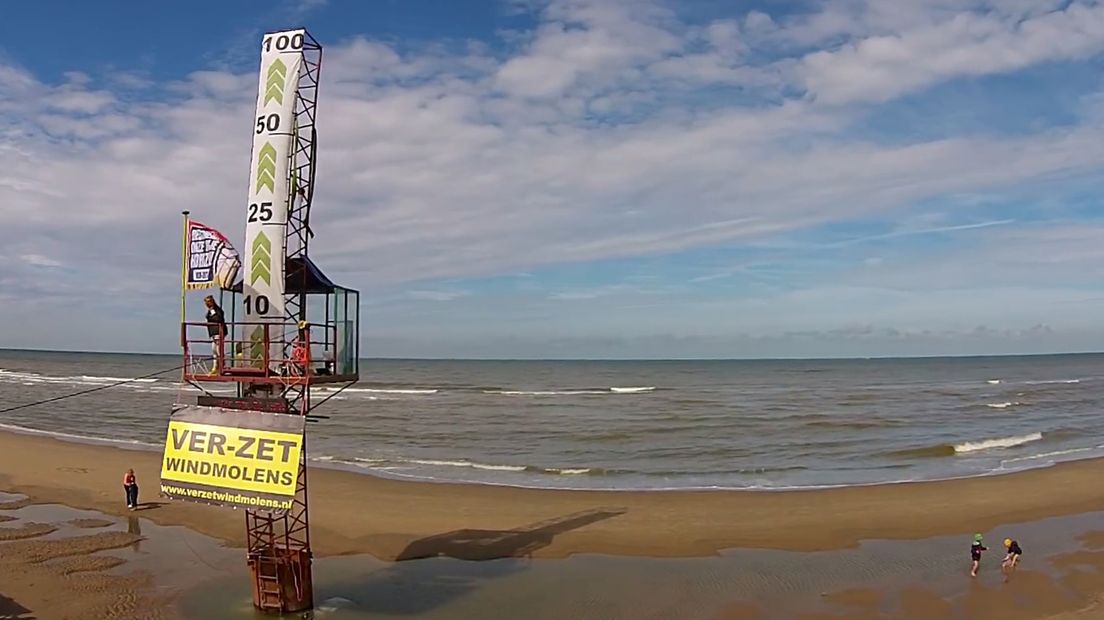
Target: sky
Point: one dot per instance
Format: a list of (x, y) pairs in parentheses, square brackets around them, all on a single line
[(580, 178)]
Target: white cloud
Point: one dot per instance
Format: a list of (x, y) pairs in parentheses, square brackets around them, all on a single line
[(82, 101), (884, 66), (37, 260), (713, 276), (909, 232), (581, 294), (1056, 255), (582, 144), (581, 40), (131, 80), (436, 295)]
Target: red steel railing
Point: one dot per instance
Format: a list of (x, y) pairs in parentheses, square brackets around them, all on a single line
[(285, 351)]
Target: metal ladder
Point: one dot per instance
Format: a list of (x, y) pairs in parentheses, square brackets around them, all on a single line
[(268, 583)]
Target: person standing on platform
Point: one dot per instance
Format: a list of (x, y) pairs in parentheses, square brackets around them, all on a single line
[(300, 351), (216, 330)]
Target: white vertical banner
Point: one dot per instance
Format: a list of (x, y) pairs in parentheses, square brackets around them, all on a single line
[(269, 191)]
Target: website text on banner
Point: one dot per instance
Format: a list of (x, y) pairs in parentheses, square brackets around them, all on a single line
[(247, 459)]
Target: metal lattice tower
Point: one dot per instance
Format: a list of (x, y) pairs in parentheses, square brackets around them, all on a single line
[(278, 545), (272, 361)]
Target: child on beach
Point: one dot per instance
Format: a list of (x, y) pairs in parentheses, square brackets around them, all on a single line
[(130, 485), (975, 554), (1012, 558)]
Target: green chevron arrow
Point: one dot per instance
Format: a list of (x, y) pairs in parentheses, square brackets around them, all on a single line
[(259, 265), (274, 83), (256, 351), (266, 167)]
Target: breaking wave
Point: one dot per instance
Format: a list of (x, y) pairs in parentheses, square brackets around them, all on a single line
[(384, 464), (579, 392), (30, 378), (375, 392), (1001, 442), (94, 379), (947, 449), (79, 438), (381, 392), (1049, 455), (385, 390), (543, 392)]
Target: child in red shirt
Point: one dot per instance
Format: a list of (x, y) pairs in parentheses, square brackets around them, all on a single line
[(130, 485)]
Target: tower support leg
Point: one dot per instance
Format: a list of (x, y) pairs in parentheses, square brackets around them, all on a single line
[(279, 554)]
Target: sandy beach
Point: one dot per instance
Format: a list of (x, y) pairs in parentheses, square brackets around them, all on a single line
[(354, 513), (398, 520)]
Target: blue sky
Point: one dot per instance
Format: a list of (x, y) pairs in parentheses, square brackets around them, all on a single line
[(581, 178)]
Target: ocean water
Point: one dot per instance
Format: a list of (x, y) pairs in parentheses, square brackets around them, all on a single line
[(632, 424)]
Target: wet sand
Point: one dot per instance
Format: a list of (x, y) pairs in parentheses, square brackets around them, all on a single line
[(353, 513), (144, 572), (68, 563), (914, 580), (395, 520), (50, 577)]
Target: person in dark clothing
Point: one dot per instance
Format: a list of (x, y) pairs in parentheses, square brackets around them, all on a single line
[(216, 329), (1012, 557), (975, 554), (130, 486)]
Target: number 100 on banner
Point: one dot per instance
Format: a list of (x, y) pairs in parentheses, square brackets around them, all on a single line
[(246, 459)]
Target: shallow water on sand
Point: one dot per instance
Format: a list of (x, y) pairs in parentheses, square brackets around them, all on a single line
[(622, 425), (596, 587), (1062, 566), (177, 558)]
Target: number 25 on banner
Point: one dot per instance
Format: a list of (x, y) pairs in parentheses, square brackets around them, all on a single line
[(260, 212)]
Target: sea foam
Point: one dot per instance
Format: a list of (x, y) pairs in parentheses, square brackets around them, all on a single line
[(1001, 442)]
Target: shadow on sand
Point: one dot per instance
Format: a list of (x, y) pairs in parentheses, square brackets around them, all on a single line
[(457, 563), (10, 610), (480, 545)]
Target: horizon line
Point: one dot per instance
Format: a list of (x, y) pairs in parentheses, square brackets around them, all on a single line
[(622, 359)]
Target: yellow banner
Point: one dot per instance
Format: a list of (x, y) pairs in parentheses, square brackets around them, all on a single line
[(230, 457)]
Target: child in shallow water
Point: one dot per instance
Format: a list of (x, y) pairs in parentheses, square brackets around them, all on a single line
[(1012, 557), (975, 554)]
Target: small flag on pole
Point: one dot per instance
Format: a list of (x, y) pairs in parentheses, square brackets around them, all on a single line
[(210, 258)]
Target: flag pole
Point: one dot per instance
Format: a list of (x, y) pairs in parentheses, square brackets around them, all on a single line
[(184, 271)]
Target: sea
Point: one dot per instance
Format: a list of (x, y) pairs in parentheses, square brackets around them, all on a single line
[(624, 425)]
